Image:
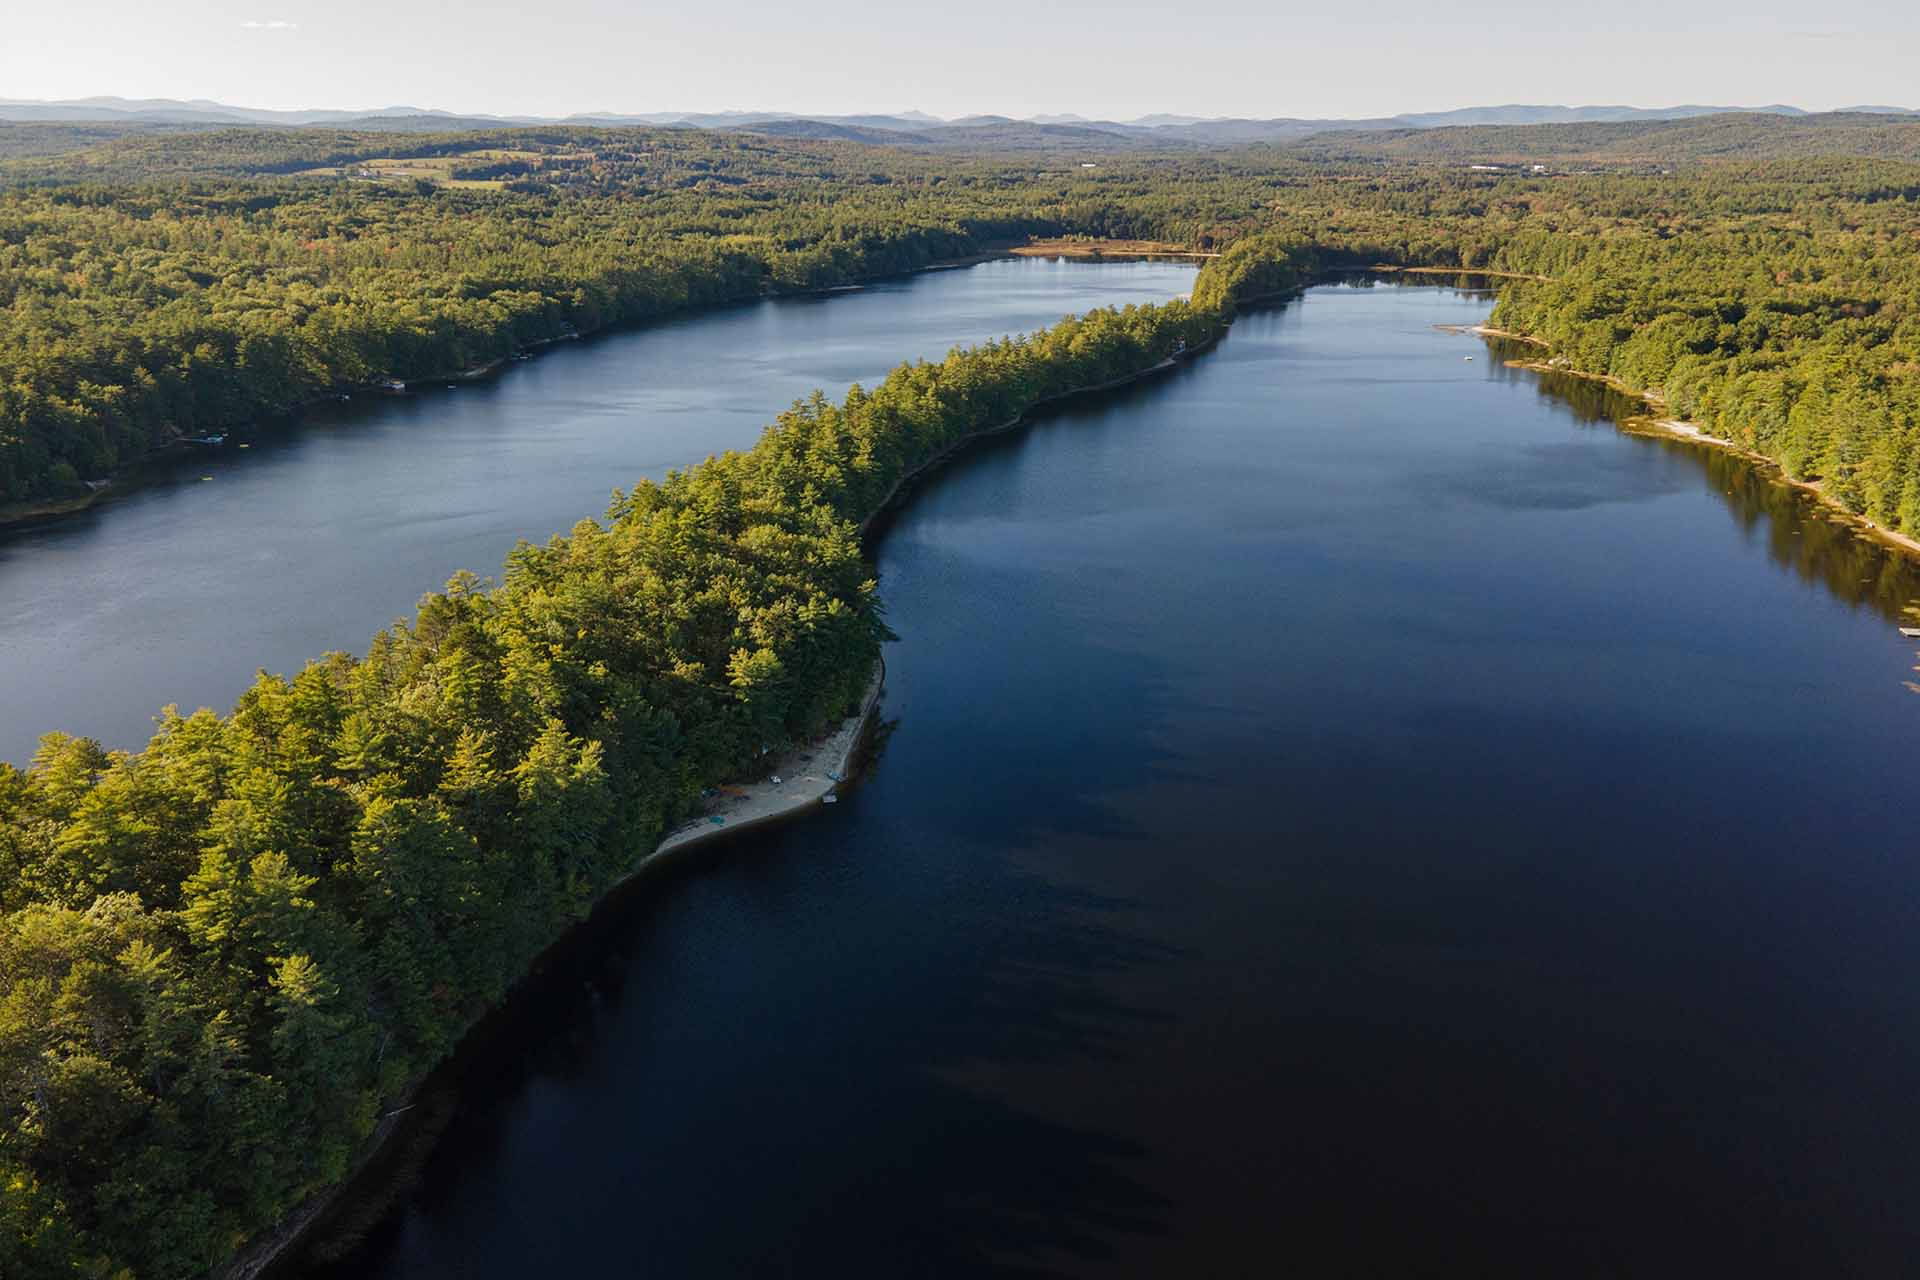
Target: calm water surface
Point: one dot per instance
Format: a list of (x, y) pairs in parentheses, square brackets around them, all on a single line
[(1348, 811), (313, 539)]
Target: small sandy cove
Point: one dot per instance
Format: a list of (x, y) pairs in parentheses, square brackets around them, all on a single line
[(808, 775)]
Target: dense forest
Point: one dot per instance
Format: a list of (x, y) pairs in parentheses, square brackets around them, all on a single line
[(224, 954), (196, 280), (222, 957), (209, 278), (1730, 136), (1803, 348), (132, 316)]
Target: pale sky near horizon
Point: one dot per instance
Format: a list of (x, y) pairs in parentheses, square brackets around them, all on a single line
[(1112, 59)]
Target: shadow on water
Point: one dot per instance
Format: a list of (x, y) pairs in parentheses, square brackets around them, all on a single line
[(973, 1186), (779, 1060), (1476, 286), (1799, 532)]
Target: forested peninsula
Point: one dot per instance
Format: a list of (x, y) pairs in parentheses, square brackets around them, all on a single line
[(222, 956), (225, 951)]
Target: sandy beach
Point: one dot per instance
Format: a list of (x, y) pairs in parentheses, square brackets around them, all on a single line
[(1488, 331), (808, 775), (1832, 510)]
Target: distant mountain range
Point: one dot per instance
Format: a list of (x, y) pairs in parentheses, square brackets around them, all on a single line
[(197, 111), (913, 128)]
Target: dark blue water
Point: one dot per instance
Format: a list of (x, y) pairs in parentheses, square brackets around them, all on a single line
[(1347, 811), (314, 538)]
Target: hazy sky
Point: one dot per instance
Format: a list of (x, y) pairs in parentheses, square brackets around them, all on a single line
[(1114, 58)]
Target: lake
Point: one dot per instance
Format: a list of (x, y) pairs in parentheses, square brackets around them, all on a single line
[(1345, 808), (314, 537)]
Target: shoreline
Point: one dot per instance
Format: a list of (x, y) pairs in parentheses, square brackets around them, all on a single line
[(126, 477), (1658, 423), (802, 778), (474, 374), (748, 806), (1098, 249), (1675, 429), (1459, 271), (123, 478), (1488, 331), (905, 483), (26, 513)]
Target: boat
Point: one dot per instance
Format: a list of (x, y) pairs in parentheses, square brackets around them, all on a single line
[(394, 385), (211, 442), (1911, 633)]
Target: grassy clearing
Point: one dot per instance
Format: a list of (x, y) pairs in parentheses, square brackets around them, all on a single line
[(435, 169)]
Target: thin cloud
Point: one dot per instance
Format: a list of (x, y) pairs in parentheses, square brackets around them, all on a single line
[(274, 24)]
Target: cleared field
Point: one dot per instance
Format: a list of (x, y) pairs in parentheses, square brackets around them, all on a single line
[(438, 170)]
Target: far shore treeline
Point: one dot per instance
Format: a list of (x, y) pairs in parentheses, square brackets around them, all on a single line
[(135, 314), (160, 287), (222, 957)]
